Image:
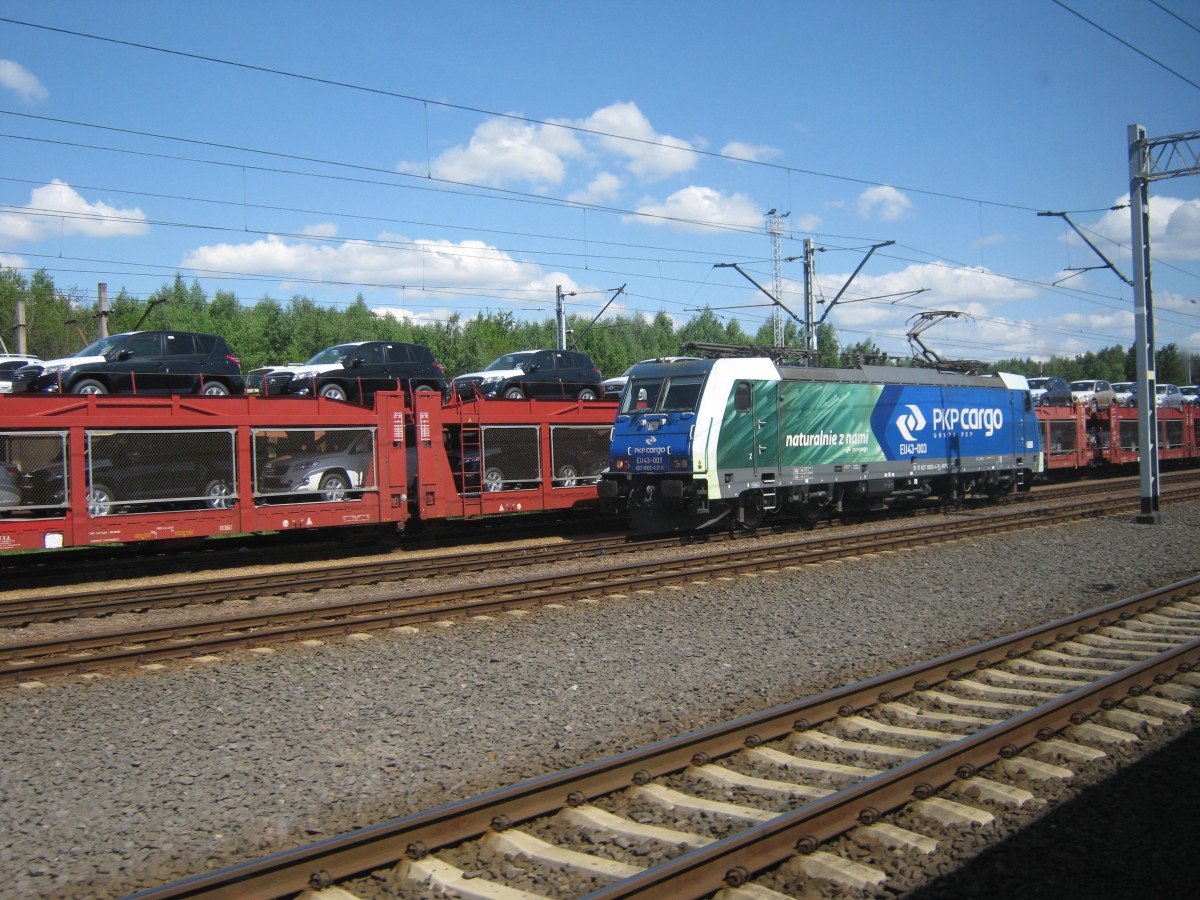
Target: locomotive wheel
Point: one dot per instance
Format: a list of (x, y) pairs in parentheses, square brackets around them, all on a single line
[(810, 514), (90, 386), (218, 494), (334, 486), (754, 510), (99, 501), (493, 479), (333, 392)]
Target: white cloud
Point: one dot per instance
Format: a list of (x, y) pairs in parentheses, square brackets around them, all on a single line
[(1174, 227), (16, 78), (691, 208), (11, 261), (602, 188), (502, 151), (650, 155), (883, 203), (751, 152), (56, 208), (396, 261)]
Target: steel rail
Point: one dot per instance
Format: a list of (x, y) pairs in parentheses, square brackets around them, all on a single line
[(34, 658), (24, 610), (734, 859)]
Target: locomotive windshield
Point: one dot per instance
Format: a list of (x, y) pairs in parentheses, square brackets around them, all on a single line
[(679, 394)]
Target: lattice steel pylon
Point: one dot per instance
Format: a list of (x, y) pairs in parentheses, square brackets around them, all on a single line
[(1150, 159), (775, 230)]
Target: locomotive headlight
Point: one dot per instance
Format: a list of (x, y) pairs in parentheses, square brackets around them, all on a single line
[(681, 464), (620, 464)]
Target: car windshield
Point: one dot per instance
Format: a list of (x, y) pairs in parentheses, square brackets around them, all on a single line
[(102, 346), (1123, 386), (1083, 385), (331, 355), (1036, 383), (509, 361), (662, 394)]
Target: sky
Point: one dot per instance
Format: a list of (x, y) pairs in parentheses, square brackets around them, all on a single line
[(467, 157)]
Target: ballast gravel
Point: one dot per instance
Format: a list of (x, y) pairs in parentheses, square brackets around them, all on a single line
[(109, 785)]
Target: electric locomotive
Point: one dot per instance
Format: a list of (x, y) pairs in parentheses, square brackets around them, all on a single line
[(699, 441)]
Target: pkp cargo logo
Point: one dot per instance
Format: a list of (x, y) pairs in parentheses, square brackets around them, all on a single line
[(910, 421)]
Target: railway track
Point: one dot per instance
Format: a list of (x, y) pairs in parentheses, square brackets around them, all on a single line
[(153, 645), (848, 790), (22, 609), (60, 569)]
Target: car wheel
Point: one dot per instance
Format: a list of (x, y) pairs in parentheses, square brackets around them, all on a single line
[(333, 392), (493, 479), (215, 389), (99, 501), (514, 393), (568, 476), (587, 394), (334, 486), (218, 494), (90, 386), (425, 389)]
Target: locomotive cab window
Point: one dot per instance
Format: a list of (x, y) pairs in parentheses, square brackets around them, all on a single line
[(743, 397), (662, 394)]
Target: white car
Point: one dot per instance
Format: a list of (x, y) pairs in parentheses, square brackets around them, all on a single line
[(1191, 394), (9, 363)]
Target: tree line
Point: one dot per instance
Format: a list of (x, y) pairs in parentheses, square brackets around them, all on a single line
[(60, 322)]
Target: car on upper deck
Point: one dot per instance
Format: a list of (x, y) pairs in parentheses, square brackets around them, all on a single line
[(9, 363), (1093, 392), (534, 374), (139, 362), (354, 371), (1050, 390), (1169, 396), (1125, 393)]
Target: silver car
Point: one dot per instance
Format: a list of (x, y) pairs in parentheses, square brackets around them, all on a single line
[(1169, 396), (339, 467), (1126, 393)]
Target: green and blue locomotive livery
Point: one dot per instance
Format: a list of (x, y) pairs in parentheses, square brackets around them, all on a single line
[(698, 441)]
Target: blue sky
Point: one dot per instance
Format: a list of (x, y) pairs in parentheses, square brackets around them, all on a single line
[(467, 156)]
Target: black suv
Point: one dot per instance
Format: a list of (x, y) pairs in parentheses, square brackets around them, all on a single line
[(543, 374), (139, 362), (354, 372)]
